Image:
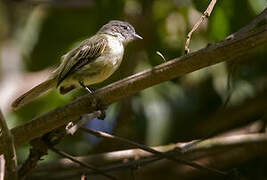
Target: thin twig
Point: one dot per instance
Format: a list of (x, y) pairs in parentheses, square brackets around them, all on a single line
[(104, 158), (158, 153), (10, 152), (66, 155), (206, 14), (135, 164), (161, 55)]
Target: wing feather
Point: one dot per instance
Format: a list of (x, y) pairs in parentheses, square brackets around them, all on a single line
[(85, 53)]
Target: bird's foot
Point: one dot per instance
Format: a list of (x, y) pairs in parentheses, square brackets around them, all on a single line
[(94, 101)]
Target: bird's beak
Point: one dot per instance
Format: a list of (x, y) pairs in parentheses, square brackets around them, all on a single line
[(137, 36)]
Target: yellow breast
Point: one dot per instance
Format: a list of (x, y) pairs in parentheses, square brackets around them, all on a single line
[(105, 65)]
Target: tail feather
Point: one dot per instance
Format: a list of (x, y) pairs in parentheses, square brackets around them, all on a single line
[(34, 93)]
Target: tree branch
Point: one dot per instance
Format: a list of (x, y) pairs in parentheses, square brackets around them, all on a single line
[(260, 18), (104, 158), (37, 151), (248, 145), (157, 153), (81, 163), (10, 152), (39, 148), (213, 54)]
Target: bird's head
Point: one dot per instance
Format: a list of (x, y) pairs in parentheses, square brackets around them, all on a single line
[(124, 31)]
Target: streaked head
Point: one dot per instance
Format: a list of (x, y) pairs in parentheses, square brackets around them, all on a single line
[(123, 30)]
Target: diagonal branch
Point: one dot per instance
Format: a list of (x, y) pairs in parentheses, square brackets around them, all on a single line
[(256, 21), (81, 163), (153, 151), (251, 145), (10, 152), (216, 53), (206, 146)]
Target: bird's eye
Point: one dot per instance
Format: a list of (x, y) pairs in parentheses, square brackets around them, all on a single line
[(125, 27)]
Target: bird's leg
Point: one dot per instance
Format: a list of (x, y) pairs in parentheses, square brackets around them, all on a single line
[(94, 103), (85, 87)]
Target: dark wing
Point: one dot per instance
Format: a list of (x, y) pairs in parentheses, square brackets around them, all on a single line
[(86, 52)]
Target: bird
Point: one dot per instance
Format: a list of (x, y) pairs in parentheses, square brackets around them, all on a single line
[(92, 61)]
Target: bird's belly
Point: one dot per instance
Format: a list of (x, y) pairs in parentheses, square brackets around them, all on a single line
[(97, 71), (101, 68)]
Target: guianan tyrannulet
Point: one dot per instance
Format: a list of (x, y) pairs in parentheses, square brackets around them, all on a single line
[(93, 61)]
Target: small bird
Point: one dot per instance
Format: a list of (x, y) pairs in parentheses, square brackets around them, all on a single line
[(92, 61)]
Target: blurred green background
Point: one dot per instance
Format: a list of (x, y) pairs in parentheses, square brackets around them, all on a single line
[(42, 31)]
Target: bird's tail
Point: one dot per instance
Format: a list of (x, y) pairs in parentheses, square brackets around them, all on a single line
[(34, 93)]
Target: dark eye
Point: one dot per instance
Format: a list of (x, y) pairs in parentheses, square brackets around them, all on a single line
[(125, 27)]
